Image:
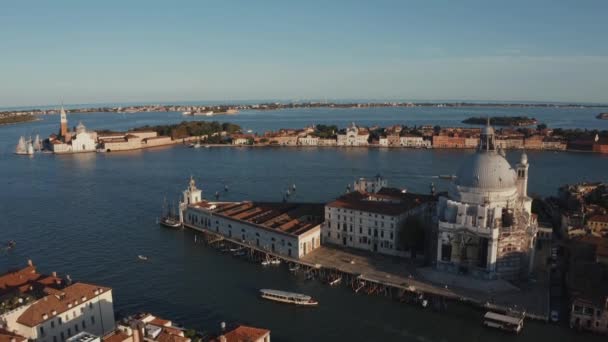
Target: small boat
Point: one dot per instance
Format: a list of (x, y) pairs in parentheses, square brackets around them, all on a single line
[(142, 257), (240, 253), (168, 218), (195, 145), (509, 323), (238, 249), (288, 297), (294, 268), (448, 177), (24, 147), (335, 281), (275, 261), (265, 263), (170, 222), (10, 244)]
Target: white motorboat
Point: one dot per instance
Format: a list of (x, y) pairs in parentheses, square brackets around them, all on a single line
[(288, 297)]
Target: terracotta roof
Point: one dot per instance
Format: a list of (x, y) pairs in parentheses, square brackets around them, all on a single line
[(59, 303), (388, 201), (160, 322), (244, 333), (7, 336), (288, 218), (167, 337), (173, 331), (12, 280), (599, 218), (117, 336)]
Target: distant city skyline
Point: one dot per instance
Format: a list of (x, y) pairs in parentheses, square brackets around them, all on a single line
[(196, 51)]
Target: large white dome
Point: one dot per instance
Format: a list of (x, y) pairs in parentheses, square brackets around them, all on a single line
[(486, 170)]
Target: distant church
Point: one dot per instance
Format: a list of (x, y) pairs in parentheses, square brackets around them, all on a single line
[(486, 228), (80, 140)]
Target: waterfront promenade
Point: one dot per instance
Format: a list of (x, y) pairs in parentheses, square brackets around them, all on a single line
[(390, 273)]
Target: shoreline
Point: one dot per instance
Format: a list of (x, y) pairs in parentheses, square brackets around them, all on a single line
[(20, 122), (395, 285)]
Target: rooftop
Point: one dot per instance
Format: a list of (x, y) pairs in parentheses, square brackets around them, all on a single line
[(289, 218), (243, 333), (82, 337), (7, 336), (26, 279), (388, 201), (59, 302), (599, 218)]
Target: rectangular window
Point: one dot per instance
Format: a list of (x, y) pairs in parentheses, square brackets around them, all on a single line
[(52, 324), (59, 320), (54, 338), (69, 331), (62, 336), (92, 319), (41, 331), (84, 324), (76, 327)]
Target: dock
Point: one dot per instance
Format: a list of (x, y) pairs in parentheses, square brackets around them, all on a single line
[(397, 278)]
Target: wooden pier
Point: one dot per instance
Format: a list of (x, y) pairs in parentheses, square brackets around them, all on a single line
[(360, 278)]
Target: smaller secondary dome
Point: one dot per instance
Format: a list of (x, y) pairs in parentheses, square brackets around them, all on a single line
[(488, 171)]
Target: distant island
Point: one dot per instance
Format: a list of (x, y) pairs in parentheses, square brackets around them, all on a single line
[(223, 109), (12, 119), (602, 116), (502, 121)]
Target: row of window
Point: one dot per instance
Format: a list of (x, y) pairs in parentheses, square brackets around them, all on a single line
[(369, 230), (365, 240), (62, 335), (392, 218)]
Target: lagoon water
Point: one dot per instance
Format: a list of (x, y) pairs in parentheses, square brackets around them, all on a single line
[(90, 215)]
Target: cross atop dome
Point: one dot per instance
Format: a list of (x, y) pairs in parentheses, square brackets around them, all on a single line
[(486, 139)]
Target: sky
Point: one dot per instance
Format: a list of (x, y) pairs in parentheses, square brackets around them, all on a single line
[(159, 51)]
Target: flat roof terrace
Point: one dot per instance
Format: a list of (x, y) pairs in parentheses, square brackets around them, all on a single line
[(290, 218)]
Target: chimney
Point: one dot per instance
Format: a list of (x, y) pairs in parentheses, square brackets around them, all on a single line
[(222, 338), (13, 339), (54, 274), (223, 326), (30, 262)]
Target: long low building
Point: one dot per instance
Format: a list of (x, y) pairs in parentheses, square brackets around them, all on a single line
[(289, 229)]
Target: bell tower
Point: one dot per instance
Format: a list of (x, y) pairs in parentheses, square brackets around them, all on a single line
[(192, 194), (63, 131), (522, 175)]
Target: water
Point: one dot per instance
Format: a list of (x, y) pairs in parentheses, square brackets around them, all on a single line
[(90, 215)]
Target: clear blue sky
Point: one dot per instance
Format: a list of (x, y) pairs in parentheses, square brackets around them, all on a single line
[(131, 51)]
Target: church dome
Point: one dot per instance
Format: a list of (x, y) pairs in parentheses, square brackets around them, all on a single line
[(486, 170)]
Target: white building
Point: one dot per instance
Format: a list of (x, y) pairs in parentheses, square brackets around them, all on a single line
[(308, 140), (290, 229), (371, 185), (75, 142), (414, 141), (63, 313), (485, 224), (383, 141), (371, 220), (354, 136)]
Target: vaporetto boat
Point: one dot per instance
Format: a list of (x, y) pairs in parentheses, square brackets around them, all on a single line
[(288, 297)]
